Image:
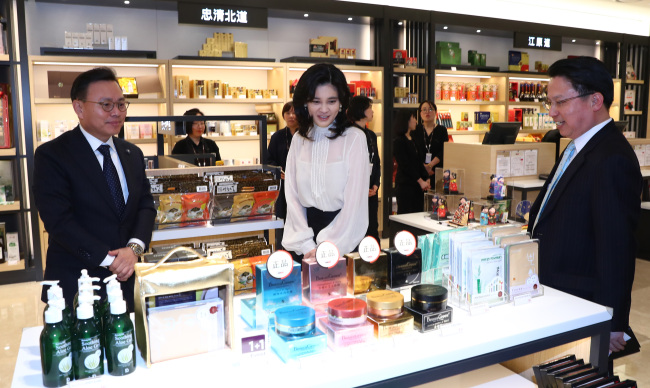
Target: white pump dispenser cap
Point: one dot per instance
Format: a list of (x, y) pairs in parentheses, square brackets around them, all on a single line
[(53, 315), (114, 295), (85, 311), (118, 307), (112, 283), (86, 297), (54, 292), (56, 304)]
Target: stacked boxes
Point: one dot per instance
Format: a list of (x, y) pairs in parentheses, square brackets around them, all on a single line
[(476, 59), (323, 47), (448, 53), (220, 42), (518, 61)]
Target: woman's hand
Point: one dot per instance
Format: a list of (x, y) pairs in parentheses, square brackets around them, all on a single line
[(311, 254)]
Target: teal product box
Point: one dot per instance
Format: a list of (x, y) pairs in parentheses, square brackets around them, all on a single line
[(482, 117), (440, 262), (248, 312), (290, 347), (273, 293)]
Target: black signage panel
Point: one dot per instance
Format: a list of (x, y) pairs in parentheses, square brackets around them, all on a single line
[(538, 41), (222, 15)]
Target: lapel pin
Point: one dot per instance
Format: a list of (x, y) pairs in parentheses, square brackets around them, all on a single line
[(128, 151)]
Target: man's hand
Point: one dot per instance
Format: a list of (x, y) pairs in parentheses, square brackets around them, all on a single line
[(124, 263), (616, 341)]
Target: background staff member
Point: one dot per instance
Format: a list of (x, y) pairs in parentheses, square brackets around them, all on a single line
[(360, 114), (327, 168), (411, 179), (585, 250), (194, 142), (91, 191), (278, 151), (430, 138)]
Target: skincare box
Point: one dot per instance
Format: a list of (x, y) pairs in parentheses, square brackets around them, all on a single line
[(248, 312), (403, 270), (273, 293), (428, 306), (293, 334), (346, 323), (386, 313), (522, 260), (321, 284), (364, 276)]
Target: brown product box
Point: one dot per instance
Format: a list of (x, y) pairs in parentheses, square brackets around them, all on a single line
[(214, 89), (211, 42), (343, 53), (241, 50), (198, 89), (352, 53), (319, 48), (202, 53), (333, 47), (181, 86)]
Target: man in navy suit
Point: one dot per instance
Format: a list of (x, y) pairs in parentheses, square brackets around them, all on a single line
[(587, 211), (92, 192)]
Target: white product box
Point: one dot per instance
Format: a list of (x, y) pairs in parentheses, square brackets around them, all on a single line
[(13, 253), (95, 26), (96, 37), (68, 40), (75, 40), (125, 45), (89, 27), (103, 37), (118, 43), (111, 40), (109, 28)]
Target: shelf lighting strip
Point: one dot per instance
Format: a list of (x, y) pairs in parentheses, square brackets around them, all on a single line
[(97, 64), (463, 76), (530, 79), (222, 67), (345, 71)]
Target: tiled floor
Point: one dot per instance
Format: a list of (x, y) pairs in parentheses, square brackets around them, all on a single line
[(20, 307)]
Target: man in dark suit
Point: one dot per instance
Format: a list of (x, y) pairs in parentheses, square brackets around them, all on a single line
[(92, 193), (587, 211)]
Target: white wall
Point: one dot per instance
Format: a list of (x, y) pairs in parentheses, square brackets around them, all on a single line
[(160, 31)]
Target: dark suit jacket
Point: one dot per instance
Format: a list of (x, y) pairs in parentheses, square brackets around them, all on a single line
[(75, 204), (586, 230), (409, 166)]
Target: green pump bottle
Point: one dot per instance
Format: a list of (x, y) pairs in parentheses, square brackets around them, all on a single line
[(87, 351), (56, 350), (119, 339)]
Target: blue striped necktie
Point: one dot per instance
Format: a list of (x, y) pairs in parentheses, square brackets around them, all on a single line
[(113, 180), (566, 158)]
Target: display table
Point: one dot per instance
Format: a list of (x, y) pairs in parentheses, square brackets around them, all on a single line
[(416, 223), (470, 342)]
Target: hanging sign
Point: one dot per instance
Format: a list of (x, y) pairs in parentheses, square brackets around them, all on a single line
[(222, 15)]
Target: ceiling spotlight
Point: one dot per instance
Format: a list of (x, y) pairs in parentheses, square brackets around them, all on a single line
[(127, 2), (478, 31), (399, 23), (445, 27), (349, 19), (573, 40), (306, 15), (597, 43)]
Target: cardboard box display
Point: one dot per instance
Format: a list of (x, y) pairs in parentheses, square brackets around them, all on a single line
[(241, 50), (518, 61), (319, 48), (333, 46), (181, 86)]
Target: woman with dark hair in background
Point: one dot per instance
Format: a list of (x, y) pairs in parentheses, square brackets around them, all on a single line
[(195, 143), (412, 179), (360, 114), (430, 138), (278, 151), (327, 168)]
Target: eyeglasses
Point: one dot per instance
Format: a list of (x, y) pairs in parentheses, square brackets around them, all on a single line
[(108, 106), (558, 104), (427, 110)]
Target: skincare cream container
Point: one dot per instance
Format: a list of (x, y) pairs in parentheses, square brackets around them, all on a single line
[(428, 306), (294, 320), (386, 313), (346, 323), (292, 333), (321, 284), (364, 276), (347, 311)]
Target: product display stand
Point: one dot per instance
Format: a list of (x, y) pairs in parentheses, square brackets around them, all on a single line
[(416, 223), (469, 342)]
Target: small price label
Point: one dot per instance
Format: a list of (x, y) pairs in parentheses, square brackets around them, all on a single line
[(157, 188), (405, 243), (226, 189), (280, 264), (327, 254), (202, 189), (222, 178), (369, 249), (254, 344)]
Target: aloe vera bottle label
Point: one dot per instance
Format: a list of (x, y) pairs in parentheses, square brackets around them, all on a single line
[(120, 353), (56, 360), (89, 361)]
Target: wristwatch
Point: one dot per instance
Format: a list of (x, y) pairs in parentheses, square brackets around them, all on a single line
[(136, 248)]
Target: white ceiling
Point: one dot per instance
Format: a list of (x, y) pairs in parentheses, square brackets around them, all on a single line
[(619, 16)]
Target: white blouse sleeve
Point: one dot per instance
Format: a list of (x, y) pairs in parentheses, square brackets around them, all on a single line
[(350, 225), (298, 237)]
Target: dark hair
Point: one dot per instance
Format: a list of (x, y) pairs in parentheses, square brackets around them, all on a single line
[(420, 109), (401, 123), (287, 107), (188, 124), (80, 85), (315, 76), (587, 75), (358, 107)]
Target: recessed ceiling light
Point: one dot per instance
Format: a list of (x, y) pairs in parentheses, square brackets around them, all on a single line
[(306, 15), (573, 40), (399, 23), (349, 19), (445, 27), (597, 43), (478, 31), (127, 2)]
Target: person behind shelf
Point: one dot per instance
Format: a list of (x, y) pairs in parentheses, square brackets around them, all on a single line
[(583, 250), (430, 138), (412, 178), (360, 114), (278, 151), (327, 168), (92, 193), (194, 142)]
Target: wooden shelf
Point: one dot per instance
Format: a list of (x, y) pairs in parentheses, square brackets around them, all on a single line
[(634, 82), (525, 103), (228, 101), (142, 141), (4, 57), (12, 207), (409, 70), (455, 132), (441, 102), (67, 101), (632, 113), (216, 230), (7, 152), (5, 267), (406, 106), (229, 138)]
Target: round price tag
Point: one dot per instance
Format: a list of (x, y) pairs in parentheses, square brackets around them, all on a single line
[(369, 249), (327, 254), (405, 243), (280, 264)]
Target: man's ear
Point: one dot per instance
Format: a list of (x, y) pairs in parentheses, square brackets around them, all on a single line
[(77, 105)]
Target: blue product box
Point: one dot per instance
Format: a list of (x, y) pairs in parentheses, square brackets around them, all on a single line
[(481, 117), (291, 348), (273, 293), (248, 311)]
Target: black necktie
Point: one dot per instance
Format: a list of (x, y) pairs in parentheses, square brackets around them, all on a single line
[(113, 180)]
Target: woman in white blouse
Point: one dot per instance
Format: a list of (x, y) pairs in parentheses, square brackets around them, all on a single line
[(327, 172)]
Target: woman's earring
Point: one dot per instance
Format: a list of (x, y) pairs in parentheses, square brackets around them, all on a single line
[(340, 108)]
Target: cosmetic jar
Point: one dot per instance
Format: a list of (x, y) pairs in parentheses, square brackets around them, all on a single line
[(347, 311), (384, 303), (294, 320), (429, 298)]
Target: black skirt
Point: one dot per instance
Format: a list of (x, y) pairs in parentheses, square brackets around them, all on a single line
[(317, 220)]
